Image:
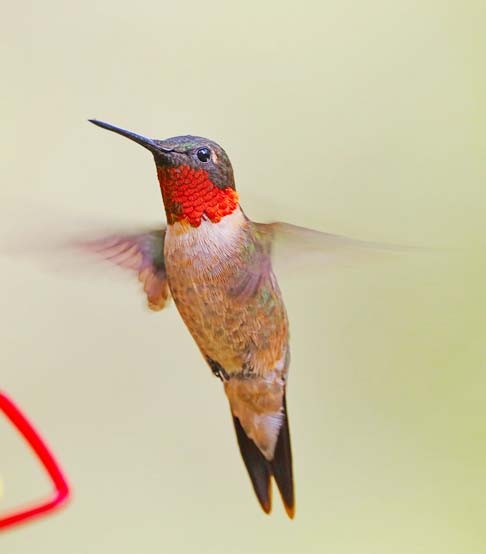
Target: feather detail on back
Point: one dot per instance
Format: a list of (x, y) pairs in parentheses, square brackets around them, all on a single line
[(221, 280)]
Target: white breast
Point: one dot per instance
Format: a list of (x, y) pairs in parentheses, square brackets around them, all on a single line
[(208, 246)]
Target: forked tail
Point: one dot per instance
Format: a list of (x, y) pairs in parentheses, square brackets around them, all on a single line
[(261, 470)]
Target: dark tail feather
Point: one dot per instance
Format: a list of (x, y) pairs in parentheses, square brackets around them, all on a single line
[(257, 466), (260, 469), (281, 465)]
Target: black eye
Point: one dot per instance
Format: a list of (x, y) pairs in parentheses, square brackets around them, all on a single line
[(203, 154)]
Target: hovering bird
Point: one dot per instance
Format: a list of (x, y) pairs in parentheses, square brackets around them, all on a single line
[(216, 265)]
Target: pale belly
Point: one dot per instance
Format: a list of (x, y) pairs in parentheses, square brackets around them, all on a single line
[(243, 331)]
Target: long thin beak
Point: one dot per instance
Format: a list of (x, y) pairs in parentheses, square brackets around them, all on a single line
[(139, 139)]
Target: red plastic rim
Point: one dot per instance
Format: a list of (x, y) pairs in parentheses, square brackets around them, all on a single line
[(34, 440)]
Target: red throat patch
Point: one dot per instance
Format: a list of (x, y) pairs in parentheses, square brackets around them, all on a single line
[(189, 195)]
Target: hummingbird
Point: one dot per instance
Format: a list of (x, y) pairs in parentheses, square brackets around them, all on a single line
[(216, 264)]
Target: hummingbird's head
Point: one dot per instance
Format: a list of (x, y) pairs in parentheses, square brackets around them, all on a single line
[(195, 176)]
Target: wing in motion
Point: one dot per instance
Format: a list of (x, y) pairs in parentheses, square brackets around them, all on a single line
[(143, 253), (292, 244)]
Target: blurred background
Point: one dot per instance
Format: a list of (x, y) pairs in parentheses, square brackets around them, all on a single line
[(360, 118)]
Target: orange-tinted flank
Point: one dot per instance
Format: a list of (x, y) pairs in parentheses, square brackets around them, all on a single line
[(189, 193)]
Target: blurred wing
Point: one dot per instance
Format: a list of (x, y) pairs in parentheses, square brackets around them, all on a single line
[(143, 253), (292, 244)]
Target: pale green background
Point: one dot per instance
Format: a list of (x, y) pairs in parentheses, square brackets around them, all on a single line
[(364, 118)]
